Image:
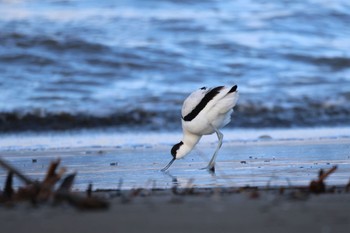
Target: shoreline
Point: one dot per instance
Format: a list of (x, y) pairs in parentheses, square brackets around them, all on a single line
[(261, 185), (254, 163), (113, 139)]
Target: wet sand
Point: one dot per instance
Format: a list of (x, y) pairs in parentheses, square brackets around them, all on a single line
[(265, 163)]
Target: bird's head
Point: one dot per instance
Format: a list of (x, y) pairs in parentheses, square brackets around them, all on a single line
[(178, 151)]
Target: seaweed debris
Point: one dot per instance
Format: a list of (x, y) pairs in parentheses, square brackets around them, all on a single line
[(319, 186), (56, 188), (41, 192)]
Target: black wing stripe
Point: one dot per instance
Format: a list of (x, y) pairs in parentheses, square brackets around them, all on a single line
[(206, 99)]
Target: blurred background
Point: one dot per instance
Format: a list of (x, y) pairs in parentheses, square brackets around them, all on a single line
[(76, 64)]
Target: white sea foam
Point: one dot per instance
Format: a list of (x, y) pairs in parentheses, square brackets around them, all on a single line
[(108, 139)]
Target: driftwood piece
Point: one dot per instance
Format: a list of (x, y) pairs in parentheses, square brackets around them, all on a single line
[(318, 186), (51, 178), (28, 192), (35, 191), (80, 202), (8, 190), (64, 193), (67, 183), (89, 190), (16, 172), (65, 187)]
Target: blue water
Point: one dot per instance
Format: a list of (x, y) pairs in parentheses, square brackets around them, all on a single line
[(238, 165), (130, 64)]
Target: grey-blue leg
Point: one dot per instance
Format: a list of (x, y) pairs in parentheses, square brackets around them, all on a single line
[(211, 165)]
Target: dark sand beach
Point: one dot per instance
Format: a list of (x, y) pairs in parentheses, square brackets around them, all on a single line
[(211, 211)]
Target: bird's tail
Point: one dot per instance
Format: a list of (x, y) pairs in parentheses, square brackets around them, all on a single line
[(228, 101), (233, 89)]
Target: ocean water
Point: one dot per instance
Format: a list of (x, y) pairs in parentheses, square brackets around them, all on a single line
[(79, 64)]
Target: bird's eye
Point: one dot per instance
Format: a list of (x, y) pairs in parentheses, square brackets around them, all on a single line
[(203, 88)]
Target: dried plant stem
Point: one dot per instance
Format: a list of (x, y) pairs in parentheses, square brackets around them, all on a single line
[(16, 172)]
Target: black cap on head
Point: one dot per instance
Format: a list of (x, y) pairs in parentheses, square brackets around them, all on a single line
[(175, 148)]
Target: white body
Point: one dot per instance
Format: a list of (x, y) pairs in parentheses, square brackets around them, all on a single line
[(215, 115)]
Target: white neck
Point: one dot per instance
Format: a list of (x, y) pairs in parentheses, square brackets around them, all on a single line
[(189, 140)]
